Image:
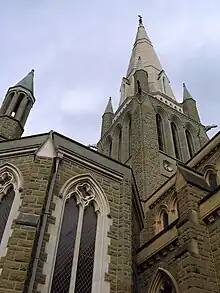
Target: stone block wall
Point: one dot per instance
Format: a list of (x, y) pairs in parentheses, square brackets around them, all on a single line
[(119, 195), (17, 262), (10, 128)]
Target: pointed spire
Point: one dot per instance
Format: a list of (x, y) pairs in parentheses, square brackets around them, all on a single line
[(28, 81), (143, 49), (186, 94), (109, 108)]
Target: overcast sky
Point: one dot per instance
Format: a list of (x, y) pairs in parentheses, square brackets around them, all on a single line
[(80, 51)]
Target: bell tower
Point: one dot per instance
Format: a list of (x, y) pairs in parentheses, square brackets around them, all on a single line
[(151, 131), (16, 107)]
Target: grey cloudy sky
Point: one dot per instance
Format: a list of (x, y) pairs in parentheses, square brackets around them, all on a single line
[(80, 50)]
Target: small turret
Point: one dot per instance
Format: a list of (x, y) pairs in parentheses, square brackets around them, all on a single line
[(107, 117), (189, 105), (16, 107)]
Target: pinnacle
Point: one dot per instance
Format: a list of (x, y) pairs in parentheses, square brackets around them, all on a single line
[(186, 93), (28, 81), (109, 108)]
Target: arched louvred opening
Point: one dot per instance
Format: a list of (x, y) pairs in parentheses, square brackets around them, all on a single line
[(212, 179), (84, 273), (176, 142), (6, 201), (190, 143), (160, 133), (65, 250), (165, 219), (129, 138), (120, 145), (20, 98)]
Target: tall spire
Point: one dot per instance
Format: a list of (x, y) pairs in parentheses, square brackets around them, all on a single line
[(144, 56), (28, 81), (143, 49), (186, 93)]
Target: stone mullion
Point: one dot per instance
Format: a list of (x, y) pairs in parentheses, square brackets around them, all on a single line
[(76, 249), (125, 143)]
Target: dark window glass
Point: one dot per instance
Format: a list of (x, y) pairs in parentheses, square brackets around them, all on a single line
[(168, 287), (160, 132), (5, 208), (64, 258), (175, 140), (119, 145), (165, 220), (212, 180), (190, 143), (86, 253)]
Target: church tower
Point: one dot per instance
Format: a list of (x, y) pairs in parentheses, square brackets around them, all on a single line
[(151, 131), (16, 107)]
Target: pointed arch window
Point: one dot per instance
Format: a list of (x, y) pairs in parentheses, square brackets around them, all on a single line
[(190, 143), (164, 84), (176, 141), (160, 133), (82, 241), (163, 283)]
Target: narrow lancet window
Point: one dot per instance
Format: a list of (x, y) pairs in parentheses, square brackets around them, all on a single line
[(176, 141), (165, 219), (190, 143), (160, 133), (129, 137), (119, 145), (86, 252)]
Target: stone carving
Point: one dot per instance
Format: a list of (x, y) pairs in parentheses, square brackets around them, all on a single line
[(167, 166), (85, 193)]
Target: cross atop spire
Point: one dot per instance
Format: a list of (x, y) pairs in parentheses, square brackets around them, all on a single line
[(27, 82), (140, 20)]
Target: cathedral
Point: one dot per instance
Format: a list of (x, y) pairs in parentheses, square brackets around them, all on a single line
[(139, 212)]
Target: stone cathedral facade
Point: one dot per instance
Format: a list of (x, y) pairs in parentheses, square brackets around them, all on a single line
[(139, 214)]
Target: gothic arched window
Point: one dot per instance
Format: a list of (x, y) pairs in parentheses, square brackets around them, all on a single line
[(175, 140), (160, 133), (189, 143), (163, 283), (82, 243), (164, 84)]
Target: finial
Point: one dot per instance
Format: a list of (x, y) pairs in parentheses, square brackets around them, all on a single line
[(110, 98), (32, 71), (184, 85), (140, 20)]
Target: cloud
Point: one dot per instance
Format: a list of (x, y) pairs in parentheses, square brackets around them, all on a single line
[(80, 51)]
